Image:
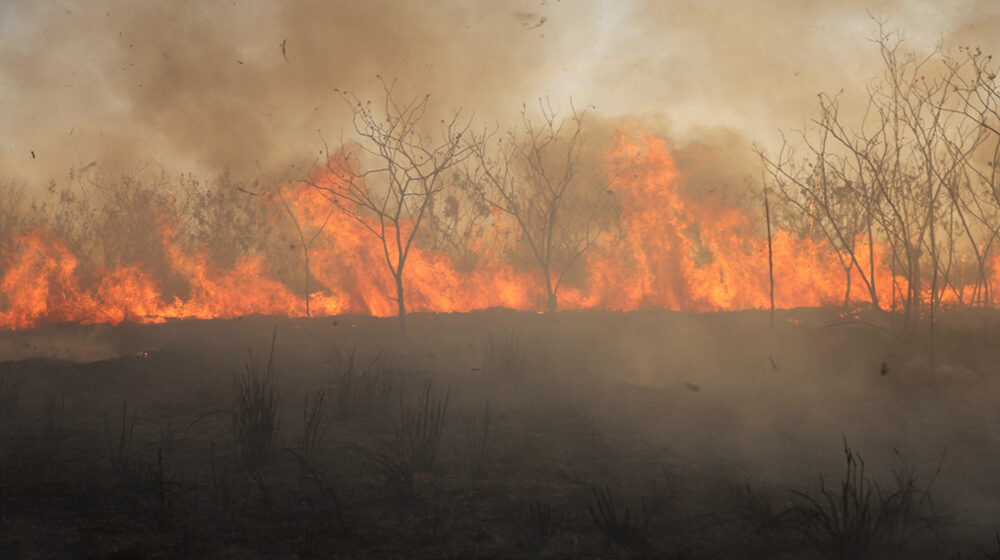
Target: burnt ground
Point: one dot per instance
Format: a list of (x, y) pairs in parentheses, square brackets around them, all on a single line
[(722, 437)]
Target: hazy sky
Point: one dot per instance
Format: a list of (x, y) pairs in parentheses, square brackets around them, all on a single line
[(204, 85)]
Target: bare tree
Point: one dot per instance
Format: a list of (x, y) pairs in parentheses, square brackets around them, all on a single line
[(533, 174), (973, 75), (388, 179), (307, 236), (903, 175), (824, 201)]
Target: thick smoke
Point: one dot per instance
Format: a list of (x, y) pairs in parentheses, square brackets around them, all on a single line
[(758, 66), (208, 86), (221, 85)]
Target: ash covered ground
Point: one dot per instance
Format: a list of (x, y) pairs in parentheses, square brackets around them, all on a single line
[(502, 434)]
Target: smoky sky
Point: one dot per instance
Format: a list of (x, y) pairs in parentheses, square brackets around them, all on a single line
[(208, 86)]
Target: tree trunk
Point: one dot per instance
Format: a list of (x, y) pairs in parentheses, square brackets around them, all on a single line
[(552, 303), (847, 292), (871, 266), (770, 256), (400, 302), (912, 303), (933, 249), (305, 251)]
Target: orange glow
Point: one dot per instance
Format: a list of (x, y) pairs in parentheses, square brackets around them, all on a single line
[(669, 251)]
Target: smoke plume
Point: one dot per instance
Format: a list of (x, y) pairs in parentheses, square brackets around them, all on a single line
[(204, 87)]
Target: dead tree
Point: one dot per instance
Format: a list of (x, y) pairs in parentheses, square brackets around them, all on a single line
[(973, 77), (388, 178), (307, 237), (914, 150), (533, 175), (904, 174), (820, 192)]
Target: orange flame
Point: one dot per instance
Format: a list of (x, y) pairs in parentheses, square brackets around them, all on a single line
[(671, 251)]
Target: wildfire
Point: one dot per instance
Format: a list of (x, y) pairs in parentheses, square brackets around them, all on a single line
[(669, 251)]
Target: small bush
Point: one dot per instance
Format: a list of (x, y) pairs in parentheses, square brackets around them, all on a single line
[(628, 529), (539, 525), (418, 434), (503, 356), (134, 472), (415, 441), (359, 391), (480, 437), (325, 500), (228, 494), (313, 427), (857, 519), (764, 521), (255, 414)]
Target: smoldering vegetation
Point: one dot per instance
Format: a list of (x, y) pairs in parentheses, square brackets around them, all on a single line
[(505, 434)]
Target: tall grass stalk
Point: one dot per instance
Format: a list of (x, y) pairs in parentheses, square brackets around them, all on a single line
[(255, 410)]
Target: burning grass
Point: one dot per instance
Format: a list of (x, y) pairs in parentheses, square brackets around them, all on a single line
[(670, 249)]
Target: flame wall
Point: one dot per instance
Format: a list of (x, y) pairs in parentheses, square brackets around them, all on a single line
[(669, 251)]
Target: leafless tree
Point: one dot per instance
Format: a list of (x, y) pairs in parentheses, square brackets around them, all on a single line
[(533, 175), (307, 235), (818, 190), (904, 174), (388, 180), (973, 75)]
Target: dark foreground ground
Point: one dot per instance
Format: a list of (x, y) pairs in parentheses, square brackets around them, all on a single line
[(501, 434)]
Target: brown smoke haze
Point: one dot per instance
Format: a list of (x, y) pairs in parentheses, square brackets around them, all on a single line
[(208, 86)]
